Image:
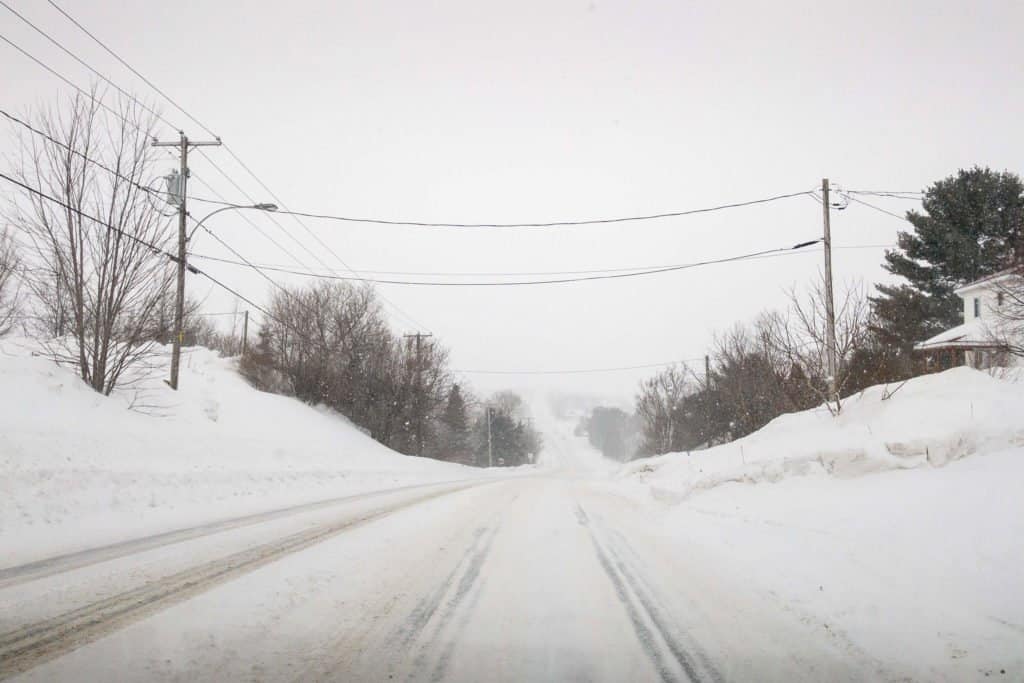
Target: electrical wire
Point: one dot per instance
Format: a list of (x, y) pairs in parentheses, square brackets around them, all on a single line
[(81, 61), (579, 371), (147, 108), (138, 128), (256, 227), (604, 276), (549, 224), (548, 273), (65, 79), (895, 194), (152, 247), (145, 188), (226, 147), (129, 66), (878, 208)]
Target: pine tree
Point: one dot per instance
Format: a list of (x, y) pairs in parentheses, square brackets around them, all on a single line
[(973, 226), (456, 427), (257, 365)]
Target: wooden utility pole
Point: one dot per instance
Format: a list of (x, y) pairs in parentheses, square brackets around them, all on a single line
[(245, 332), (183, 145), (419, 389), (490, 455), (830, 313)]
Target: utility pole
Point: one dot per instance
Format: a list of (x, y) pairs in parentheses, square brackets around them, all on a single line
[(830, 313), (183, 145), (419, 389), (245, 332), (490, 455)]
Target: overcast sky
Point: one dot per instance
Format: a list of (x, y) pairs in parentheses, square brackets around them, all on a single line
[(538, 111)]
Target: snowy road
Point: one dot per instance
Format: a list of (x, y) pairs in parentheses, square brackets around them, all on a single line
[(539, 578)]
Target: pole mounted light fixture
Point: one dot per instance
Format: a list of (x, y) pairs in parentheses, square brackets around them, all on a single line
[(253, 207)]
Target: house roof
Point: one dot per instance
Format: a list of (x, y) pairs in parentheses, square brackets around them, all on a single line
[(970, 335), (989, 280)]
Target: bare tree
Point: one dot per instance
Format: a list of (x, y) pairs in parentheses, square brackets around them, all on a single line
[(1007, 330), (799, 336), (10, 284), (97, 242), (658, 406)]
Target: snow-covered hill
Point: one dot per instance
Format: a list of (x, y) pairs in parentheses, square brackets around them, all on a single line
[(78, 469)]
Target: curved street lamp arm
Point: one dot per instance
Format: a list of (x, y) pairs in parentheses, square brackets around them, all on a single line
[(236, 207)]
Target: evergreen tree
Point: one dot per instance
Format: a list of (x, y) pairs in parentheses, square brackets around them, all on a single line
[(972, 227), (456, 428), (257, 365), (513, 441)]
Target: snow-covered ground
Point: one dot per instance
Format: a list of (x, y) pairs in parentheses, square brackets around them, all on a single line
[(882, 544), (897, 528), (78, 470)]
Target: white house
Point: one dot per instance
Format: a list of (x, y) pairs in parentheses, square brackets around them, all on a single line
[(978, 342)]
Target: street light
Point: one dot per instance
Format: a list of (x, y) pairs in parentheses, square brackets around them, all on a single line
[(179, 311), (255, 207)]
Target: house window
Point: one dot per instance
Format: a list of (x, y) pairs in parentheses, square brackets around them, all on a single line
[(999, 298), (977, 307)]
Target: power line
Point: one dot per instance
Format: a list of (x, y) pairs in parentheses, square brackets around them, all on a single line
[(116, 174), (63, 78), (85, 157), (152, 247), (366, 272), (549, 224), (143, 105), (283, 208), (256, 227), (227, 148), (579, 371), (131, 97), (129, 66), (242, 297), (605, 276), (878, 208), (895, 194), (81, 61), (138, 128)]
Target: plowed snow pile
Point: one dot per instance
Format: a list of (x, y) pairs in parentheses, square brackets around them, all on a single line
[(929, 421), (78, 470)]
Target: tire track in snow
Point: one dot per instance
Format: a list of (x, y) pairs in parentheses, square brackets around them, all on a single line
[(649, 623), (442, 611), (12, 576), (469, 586), (646, 594), (410, 644), (31, 645)]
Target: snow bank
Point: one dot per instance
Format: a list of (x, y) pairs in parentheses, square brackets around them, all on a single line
[(78, 469), (929, 421), (916, 570)]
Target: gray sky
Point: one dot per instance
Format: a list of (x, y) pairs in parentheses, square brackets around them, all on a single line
[(535, 111)]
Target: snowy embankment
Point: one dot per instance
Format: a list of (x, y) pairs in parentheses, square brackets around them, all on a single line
[(927, 422), (78, 470), (897, 528)]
